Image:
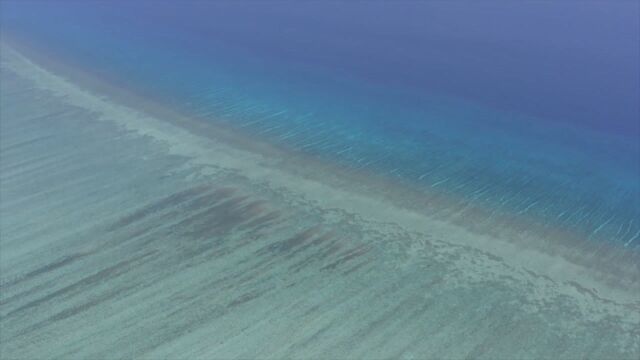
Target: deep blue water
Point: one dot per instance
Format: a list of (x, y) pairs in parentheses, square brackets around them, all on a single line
[(529, 107)]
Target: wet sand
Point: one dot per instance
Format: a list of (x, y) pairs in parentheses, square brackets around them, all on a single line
[(128, 235)]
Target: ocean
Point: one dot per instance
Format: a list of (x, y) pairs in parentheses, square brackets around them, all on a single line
[(527, 108), (319, 179)]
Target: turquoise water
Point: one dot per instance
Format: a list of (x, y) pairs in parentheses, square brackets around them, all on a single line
[(539, 122)]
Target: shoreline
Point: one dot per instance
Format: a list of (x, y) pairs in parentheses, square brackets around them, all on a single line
[(597, 232), (377, 200)]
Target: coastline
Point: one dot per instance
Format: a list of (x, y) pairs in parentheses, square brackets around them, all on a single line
[(571, 198), (591, 294), (613, 272)]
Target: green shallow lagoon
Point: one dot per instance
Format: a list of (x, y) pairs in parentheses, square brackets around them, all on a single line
[(120, 239)]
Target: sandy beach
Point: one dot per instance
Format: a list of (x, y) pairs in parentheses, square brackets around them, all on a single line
[(133, 232)]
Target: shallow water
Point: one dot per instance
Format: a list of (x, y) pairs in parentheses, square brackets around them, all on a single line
[(116, 246)]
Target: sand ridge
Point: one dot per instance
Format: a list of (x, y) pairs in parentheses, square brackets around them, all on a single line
[(553, 274)]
